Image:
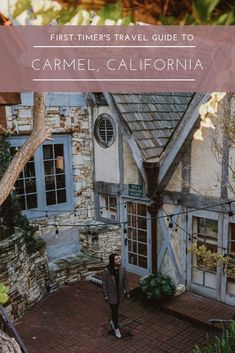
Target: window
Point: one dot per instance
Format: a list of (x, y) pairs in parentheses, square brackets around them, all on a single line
[(108, 206), (205, 232), (46, 180), (105, 130), (137, 234), (231, 241), (25, 186), (231, 253)]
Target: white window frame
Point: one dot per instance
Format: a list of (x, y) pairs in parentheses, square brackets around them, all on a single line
[(197, 288), (105, 209)]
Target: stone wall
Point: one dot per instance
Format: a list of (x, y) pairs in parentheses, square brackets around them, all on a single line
[(74, 121), (100, 240), (29, 276), (25, 275), (72, 269)]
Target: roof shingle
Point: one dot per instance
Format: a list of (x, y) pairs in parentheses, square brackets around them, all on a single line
[(152, 117)]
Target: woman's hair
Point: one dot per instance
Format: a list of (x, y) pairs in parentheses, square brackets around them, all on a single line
[(111, 262)]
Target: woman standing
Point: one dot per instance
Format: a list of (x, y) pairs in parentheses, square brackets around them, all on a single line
[(115, 287)]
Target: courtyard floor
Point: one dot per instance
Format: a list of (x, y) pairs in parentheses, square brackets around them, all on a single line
[(76, 319)]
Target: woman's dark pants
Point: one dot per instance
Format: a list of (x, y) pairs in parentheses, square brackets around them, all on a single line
[(114, 313)]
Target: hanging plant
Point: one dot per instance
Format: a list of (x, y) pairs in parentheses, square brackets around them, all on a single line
[(210, 259)]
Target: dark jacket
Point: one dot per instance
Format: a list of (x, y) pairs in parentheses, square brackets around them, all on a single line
[(109, 286)]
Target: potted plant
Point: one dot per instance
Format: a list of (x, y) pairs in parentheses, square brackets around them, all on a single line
[(157, 286)]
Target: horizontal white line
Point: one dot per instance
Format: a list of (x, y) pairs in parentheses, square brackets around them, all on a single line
[(114, 79), (114, 46)]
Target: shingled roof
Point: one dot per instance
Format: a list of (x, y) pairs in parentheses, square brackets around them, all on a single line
[(152, 118)]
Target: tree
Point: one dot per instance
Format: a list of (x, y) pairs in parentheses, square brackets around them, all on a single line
[(39, 134), (7, 344)]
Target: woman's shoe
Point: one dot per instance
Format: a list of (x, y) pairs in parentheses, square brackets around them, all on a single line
[(117, 333)]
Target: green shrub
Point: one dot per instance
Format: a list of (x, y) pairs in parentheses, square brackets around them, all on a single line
[(157, 286), (223, 344), (3, 294)]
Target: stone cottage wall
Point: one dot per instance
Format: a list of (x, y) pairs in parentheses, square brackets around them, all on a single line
[(25, 275), (72, 120), (29, 276)]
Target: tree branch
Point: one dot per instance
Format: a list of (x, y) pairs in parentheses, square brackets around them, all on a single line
[(38, 136), (8, 344)]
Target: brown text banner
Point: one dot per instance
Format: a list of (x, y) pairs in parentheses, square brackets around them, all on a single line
[(117, 58)]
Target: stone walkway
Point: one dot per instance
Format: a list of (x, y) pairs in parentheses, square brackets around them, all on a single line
[(75, 319)]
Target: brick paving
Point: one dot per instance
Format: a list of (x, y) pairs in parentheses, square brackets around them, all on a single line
[(75, 320), (197, 309)]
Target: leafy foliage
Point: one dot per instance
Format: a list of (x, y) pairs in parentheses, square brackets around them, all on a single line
[(172, 12), (3, 294), (10, 212), (5, 157), (157, 286), (205, 255), (21, 6), (203, 9), (223, 344)]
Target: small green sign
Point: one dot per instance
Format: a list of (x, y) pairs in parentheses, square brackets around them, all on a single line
[(135, 190)]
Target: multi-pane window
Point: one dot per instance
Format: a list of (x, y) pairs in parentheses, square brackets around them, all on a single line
[(105, 130), (137, 234), (205, 232), (108, 206), (46, 180), (54, 169), (25, 186), (231, 241)]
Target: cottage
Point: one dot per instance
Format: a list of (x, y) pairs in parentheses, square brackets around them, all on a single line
[(130, 161), (168, 190)]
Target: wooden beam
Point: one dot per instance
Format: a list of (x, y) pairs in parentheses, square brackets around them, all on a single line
[(225, 168), (166, 246), (9, 98), (197, 202), (186, 170), (226, 111), (107, 188), (178, 142), (3, 120)]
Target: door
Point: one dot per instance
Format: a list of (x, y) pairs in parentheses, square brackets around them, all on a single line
[(204, 276), (228, 272), (137, 239)]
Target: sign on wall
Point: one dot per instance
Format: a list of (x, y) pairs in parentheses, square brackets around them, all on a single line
[(135, 190)]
